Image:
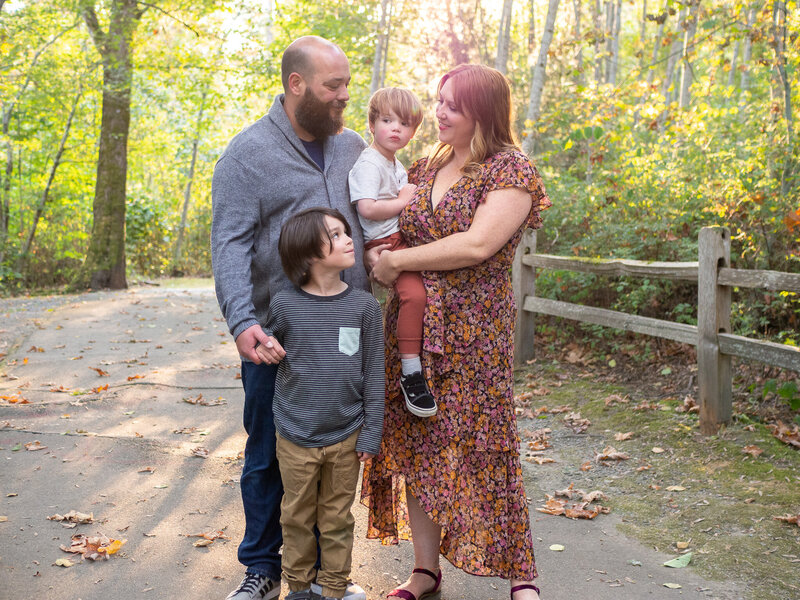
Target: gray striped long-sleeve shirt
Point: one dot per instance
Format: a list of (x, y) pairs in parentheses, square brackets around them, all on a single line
[(332, 380)]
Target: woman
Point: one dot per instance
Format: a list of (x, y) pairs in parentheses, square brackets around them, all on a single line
[(459, 472)]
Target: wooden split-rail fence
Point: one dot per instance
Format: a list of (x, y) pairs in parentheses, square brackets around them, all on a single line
[(712, 336)]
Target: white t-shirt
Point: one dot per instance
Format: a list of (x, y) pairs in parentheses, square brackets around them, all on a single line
[(374, 176)]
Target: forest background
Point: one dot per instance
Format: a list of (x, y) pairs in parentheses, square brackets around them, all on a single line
[(648, 120)]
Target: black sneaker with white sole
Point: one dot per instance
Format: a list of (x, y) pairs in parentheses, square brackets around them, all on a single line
[(419, 400), (256, 587)]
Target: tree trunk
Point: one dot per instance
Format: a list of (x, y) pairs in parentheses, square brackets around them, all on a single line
[(779, 37), (187, 193), (504, 38), (538, 77), (687, 74), (734, 64), (613, 23), (104, 265), (580, 78), (747, 51), (23, 255), (672, 59), (532, 28), (642, 39), (381, 48), (599, 36)]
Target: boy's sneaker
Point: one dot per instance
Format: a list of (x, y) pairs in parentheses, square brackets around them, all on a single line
[(419, 400), (301, 595), (353, 592), (256, 587)]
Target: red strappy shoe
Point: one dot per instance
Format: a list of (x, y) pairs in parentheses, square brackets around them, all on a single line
[(524, 586), (406, 595)]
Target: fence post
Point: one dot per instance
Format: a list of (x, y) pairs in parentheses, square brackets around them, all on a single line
[(523, 278), (713, 317)]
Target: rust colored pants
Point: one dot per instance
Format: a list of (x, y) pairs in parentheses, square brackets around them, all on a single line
[(411, 293)]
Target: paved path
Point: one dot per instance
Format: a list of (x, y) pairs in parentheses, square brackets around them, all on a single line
[(156, 348)]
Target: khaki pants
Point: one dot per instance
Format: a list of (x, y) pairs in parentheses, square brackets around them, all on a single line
[(319, 485)]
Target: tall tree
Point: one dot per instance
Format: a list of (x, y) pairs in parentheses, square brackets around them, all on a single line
[(747, 49), (504, 38), (688, 38), (104, 265), (672, 58), (613, 25), (538, 77), (580, 77), (381, 48), (779, 46)]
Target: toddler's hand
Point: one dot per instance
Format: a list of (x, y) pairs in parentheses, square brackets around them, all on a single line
[(364, 456), (406, 192)]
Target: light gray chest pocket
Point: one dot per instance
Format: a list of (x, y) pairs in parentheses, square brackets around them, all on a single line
[(349, 338)]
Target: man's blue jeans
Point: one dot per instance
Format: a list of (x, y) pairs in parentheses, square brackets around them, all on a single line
[(261, 485)]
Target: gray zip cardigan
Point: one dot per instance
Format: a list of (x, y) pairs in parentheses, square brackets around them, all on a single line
[(262, 178)]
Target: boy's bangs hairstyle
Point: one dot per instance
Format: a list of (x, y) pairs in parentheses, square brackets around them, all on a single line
[(302, 240), (483, 94), (399, 100)]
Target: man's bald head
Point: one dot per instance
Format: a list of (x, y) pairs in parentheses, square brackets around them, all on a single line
[(300, 57)]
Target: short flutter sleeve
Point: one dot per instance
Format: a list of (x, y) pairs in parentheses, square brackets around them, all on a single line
[(515, 169)]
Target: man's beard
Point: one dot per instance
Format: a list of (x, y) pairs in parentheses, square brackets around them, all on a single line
[(314, 116)]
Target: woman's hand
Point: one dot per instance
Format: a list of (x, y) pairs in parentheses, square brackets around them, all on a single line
[(371, 256), (385, 271)]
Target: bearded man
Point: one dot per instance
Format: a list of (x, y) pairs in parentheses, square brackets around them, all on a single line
[(295, 157)]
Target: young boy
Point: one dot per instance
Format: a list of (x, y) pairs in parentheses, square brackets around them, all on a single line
[(379, 187), (329, 398)]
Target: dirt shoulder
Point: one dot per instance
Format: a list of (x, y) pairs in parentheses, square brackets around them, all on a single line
[(677, 491), (127, 405)]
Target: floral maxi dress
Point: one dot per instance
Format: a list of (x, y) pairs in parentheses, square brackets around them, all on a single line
[(463, 464)]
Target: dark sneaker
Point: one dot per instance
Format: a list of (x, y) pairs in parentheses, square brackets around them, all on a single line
[(256, 587), (418, 398), (302, 595), (353, 591)]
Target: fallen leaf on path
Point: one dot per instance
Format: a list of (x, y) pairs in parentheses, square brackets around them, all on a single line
[(200, 451), (645, 405), (147, 470), (96, 547), (34, 446), (676, 488), (680, 562), (795, 519), (203, 402), (581, 510), (17, 398), (60, 389), (132, 377), (540, 460), (643, 468), (752, 450), (673, 586), (64, 562), (689, 406), (100, 372), (786, 434), (3, 518), (681, 545), (587, 466), (577, 423), (621, 437), (208, 537), (611, 453), (186, 430), (557, 548), (657, 450), (74, 516), (99, 389), (616, 399), (35, 349)]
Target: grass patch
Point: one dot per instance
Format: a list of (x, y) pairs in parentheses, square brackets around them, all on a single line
[(729, 498)]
